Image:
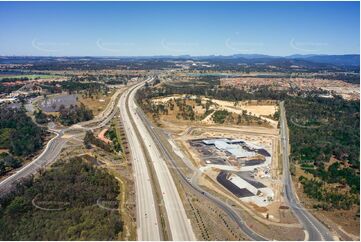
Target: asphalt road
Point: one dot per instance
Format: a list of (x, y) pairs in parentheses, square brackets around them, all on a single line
[(180, 226), (315, 230), (51, 150), (147, 219), (191, 183), (106, 115), (54, 147), (148, 228)]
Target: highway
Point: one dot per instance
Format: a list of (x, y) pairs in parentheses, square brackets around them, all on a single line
[(315, 230), (147, 218), (135, 122), (180, 226), (191, 183), (106, 115)]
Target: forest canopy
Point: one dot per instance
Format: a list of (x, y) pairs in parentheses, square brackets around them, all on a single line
[(18, 132), (63, 204)]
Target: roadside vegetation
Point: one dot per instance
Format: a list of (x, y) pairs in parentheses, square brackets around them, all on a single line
[(67, 115), (72, 201), (325, 138), (8, 163), (90, 140), (41, 117), (324, 133), (74, 114), (114, 146), (18, 133), (113, 136)]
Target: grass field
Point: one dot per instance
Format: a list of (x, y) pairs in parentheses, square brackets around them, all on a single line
[(30, 76), (96, 104)]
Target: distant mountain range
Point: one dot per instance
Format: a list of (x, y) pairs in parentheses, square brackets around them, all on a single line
[(338, 60), (352, 60), (344, 60)]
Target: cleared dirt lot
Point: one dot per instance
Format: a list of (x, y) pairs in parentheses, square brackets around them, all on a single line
[(346, 90), (261, 109), (181, 131), (267, 138), (96, 103)]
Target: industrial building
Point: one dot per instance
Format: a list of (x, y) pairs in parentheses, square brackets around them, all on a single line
[(243, 167), (236, 148), (245, 190)]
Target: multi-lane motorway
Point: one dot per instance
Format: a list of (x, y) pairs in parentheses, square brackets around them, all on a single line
[(147, 217), (146, 148), (314, 229), (192, 183), (177, 219), (147, 212)]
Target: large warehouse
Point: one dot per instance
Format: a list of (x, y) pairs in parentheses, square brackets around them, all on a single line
[(237, 148)]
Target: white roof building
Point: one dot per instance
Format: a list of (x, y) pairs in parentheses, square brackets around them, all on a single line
[(212, 141), (227, 145)]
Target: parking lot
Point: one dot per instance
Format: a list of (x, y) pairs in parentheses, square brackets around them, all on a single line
[(53, 104)]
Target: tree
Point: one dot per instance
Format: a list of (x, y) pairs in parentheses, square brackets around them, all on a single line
[(75, 186), (88, 138)]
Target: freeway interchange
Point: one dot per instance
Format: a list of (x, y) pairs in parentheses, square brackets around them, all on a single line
[(147, 149), (56, 144)]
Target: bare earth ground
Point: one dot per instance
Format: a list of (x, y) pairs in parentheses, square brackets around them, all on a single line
[(182, 131), (256, 108), (97, 103), (208, 221), (346, 90)]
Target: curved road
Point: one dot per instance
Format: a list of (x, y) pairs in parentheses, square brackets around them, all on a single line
[(51, 150), (315, 229), (148, 223), (54, 147), (192, 184)]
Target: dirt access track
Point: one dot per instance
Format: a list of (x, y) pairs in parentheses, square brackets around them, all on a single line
[(182, 132), (259, 108)]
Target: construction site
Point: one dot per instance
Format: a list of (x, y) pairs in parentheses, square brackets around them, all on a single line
[(243, 167), (239, 164)]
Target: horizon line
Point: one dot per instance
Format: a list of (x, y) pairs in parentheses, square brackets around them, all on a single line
[(184, 55)]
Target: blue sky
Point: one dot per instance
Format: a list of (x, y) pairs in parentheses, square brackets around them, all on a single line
[(178, 28)]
